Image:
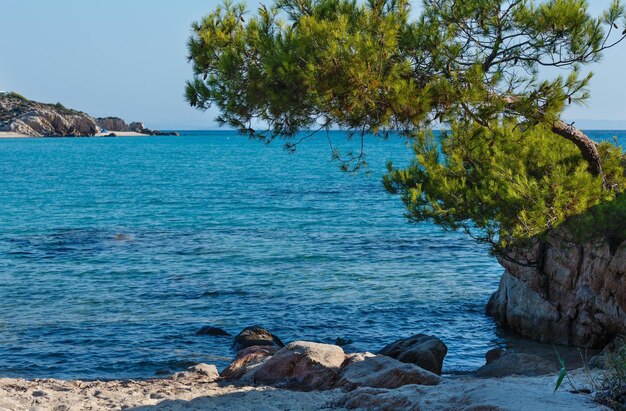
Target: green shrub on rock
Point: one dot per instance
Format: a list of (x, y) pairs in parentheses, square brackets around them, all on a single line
[(505, 186)]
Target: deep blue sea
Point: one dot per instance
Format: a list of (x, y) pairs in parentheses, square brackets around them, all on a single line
[(113, 252)]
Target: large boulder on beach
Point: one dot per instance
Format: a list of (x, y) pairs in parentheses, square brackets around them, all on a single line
[(380, 371), (425, 351), (247, 361), (256, 336), (518, 364), (303, 365)]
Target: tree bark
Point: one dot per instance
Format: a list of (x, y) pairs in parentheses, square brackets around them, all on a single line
[(588, 148)]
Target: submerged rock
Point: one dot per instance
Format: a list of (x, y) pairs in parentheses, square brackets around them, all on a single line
[(518, 364), (303, 365), (425, 351), (256, 335), (576, 295), (380, 371), (212, 331)]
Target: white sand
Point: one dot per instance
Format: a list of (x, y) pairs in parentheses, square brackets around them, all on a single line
[(194, 393), (10, 134), (123, 134)]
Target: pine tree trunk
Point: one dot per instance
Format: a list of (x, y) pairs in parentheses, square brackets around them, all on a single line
[(588, 148)]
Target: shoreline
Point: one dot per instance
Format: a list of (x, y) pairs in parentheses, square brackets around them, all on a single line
[(8, 134), (196, 390)]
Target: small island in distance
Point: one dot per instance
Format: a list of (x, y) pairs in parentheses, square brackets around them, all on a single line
[(21, 117)]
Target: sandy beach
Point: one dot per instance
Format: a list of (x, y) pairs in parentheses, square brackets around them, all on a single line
[(8, 134), (122, 134), (191, 391)]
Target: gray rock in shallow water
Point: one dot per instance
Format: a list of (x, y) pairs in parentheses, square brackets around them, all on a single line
[(425, 351), (384, 372), (255, 336), (518, 364), (303, 365)]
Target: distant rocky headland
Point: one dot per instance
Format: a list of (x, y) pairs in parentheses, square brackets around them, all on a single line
[(24, 117)]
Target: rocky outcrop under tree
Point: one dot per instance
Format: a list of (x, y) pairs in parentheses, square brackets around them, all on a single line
[(563, 292)]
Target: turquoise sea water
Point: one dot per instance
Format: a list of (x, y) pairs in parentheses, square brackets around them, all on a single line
[(113, 252)]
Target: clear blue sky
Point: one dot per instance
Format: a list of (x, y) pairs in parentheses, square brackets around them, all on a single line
[(128, 58)]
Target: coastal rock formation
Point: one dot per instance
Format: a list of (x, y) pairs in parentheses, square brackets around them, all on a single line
[(573, 295), (379, 371), (117, 124), (20, 115), (425, 351), (255, 336), (112, 124), (517, 364), (303, 365)]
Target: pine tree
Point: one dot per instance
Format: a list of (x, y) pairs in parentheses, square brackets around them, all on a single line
[(507, 169)]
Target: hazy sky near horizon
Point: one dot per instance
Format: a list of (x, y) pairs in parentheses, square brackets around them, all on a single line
[(127, 58)]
